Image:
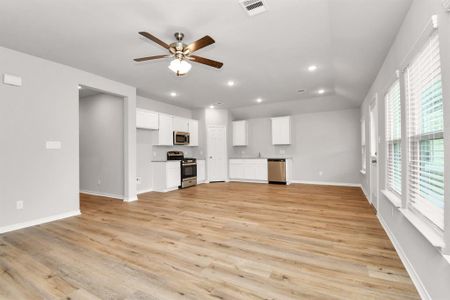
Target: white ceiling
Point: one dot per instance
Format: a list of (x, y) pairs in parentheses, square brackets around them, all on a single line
[(266, 55)]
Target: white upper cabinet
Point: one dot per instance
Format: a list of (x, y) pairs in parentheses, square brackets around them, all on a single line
[(193, 132), (240, 132), (165, 125), (180, 124), (164, 136), (146, 119), (281, 130)]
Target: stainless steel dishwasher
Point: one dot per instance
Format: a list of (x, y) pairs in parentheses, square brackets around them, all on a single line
[(277, 170)]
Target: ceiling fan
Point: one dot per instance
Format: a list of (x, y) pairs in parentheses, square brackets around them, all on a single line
[(182, 53)]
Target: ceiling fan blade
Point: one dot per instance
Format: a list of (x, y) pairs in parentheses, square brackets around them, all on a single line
[(201, 43), (150, 57), (206, 61), (154, 39)]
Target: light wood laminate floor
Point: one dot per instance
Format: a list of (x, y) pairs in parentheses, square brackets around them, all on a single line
[(212, 241)]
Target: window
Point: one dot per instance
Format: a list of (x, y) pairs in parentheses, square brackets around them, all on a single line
[(393, 139), (425, 123), (363, 146)]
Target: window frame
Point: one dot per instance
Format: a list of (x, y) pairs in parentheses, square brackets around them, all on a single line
[(426, 217), (393, 141)]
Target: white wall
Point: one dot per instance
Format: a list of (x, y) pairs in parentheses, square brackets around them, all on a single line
[(146, 151), (44, 109), (101, 145), (162, 107), (431, 269), (326, 142)]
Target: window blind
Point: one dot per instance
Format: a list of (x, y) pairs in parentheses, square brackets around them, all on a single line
[(393, 139), (425, 133)]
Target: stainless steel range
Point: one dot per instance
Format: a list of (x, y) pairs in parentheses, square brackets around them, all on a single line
[(188, 168)]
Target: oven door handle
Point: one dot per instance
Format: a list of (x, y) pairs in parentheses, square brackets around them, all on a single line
[(190, 164)]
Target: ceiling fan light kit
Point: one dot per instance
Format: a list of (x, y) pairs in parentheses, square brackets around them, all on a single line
[(182, 52), (180, 67)]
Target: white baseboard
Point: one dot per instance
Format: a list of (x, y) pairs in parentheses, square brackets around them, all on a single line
[(39, 221), (145, 191), (327, 183), (248, 181), (135, 198), (164, 190), (365, 193), (409, 267), (95, 193)]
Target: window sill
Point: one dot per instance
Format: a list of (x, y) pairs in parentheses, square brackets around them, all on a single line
[(395, 200), (431, 235), (362, 172)]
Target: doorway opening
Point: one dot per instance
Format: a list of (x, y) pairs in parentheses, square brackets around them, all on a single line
[(102, 143)]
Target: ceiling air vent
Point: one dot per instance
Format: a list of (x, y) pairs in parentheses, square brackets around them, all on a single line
[(253, 7)]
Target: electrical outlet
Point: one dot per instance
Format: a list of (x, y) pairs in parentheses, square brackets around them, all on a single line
[(138, 180), (282, 151), (392, 211), (320, 173), (154, 153), (19, 205), (99, 182)]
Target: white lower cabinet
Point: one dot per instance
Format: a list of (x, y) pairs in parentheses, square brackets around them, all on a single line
[(201, 171), (166, 175), (248, 169)]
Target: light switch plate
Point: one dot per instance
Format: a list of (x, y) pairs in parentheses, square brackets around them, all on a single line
[(12, 80), (53, 145)]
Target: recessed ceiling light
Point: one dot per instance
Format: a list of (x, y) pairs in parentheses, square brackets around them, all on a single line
[(321, 91), (230, 83), (211, 106), (259, 100), (173, 94), (312, 68), (80, 87)]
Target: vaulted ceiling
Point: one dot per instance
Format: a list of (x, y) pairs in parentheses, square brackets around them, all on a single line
[(267, 55)]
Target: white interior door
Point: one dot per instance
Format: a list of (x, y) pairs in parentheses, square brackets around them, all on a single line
[(217, 153), (373, 197)]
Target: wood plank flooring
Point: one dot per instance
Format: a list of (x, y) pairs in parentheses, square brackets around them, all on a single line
[(212, 241)]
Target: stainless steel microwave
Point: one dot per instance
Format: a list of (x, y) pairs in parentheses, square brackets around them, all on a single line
[(180, 138)]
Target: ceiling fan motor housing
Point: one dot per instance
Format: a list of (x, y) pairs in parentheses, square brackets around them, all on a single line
[(179, 36)]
